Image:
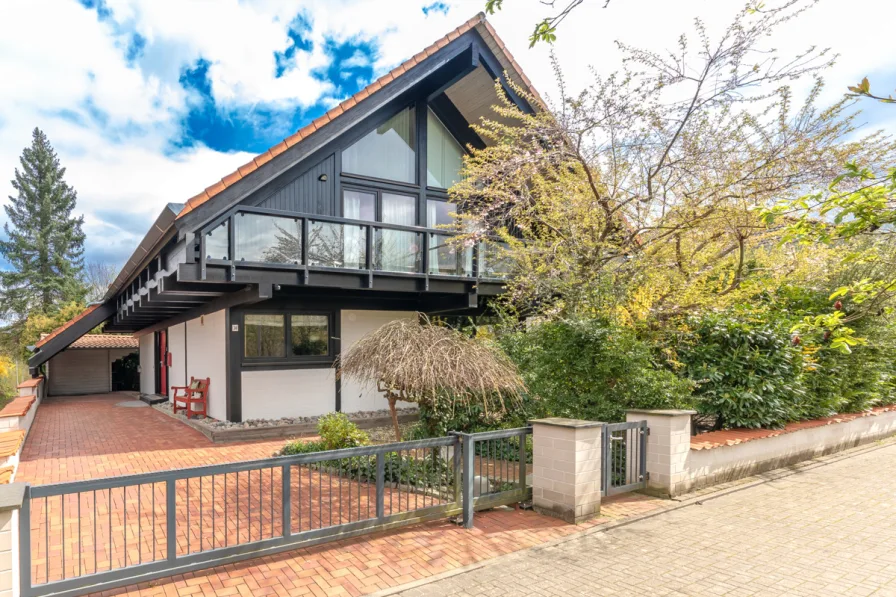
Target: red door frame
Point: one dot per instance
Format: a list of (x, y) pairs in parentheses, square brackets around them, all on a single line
[(163, 362)]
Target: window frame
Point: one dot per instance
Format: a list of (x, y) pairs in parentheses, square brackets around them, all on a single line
[(290, 360), (414, 106), (463, 150), (377, 193)]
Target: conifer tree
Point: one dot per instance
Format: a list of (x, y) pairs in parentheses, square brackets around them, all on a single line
[(44, 243)]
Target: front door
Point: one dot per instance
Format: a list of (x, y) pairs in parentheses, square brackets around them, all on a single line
[(162, 376)]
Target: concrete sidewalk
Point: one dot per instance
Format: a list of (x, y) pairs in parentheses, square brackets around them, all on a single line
[(826, 528)]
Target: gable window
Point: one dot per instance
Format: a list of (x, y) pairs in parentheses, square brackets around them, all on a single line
[(285, 337), (444, 155), (387, 152)]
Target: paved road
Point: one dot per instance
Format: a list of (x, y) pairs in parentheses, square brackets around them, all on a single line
[(829, 530)]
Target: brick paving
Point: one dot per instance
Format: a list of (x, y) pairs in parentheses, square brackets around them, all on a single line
[(89, 437), (824, 530)]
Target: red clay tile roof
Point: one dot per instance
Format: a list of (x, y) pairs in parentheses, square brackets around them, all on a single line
[(477, 21), (105, 341), (10, 442), (67, 325), (731, 437), (18, 407)]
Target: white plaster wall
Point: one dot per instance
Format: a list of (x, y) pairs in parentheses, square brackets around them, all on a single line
[(355, 325), (206, 357), (288, 393), (726, 463), (177, 371), (148, 360)]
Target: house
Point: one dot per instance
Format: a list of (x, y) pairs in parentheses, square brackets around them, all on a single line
[(259, 281)]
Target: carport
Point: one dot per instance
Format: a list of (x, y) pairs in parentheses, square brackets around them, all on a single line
[(95, 364)]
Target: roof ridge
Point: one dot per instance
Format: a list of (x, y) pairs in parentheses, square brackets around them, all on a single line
[(348, 103)]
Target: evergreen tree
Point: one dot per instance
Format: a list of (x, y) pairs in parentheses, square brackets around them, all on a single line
[(44, 243)]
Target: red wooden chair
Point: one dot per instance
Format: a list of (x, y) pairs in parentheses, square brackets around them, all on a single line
[(185, 397)]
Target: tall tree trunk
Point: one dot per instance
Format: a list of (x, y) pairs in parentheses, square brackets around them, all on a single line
[(392, 400)]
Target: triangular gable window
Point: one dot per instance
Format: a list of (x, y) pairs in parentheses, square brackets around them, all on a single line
[(444, 155), (387, 152)]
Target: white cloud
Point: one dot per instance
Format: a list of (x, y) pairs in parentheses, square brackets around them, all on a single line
[(63, 69)]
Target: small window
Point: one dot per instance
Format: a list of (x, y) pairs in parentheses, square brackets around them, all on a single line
[(265, 336), (444, 155), (310, 335), (387, 152)]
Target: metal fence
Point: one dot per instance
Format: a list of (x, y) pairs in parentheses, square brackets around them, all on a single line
[(624, 457), (103, 533)]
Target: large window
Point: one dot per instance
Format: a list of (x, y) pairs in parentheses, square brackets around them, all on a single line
[(286, 336), (444, 155), (387, 152)]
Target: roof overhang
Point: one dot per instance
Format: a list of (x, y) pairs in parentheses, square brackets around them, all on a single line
[(161, 231)]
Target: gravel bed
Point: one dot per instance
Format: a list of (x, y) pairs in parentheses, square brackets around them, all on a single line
[(257, 423)]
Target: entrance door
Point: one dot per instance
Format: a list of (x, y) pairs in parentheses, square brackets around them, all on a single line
[(162, 352)]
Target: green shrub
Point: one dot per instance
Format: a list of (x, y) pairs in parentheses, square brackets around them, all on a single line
[(747, 370), (301, 447), (590, 369), (337, 431)]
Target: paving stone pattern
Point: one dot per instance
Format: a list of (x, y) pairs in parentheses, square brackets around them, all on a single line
[(89, 437), (825, 530)]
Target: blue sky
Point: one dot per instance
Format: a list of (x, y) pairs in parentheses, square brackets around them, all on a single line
[(149, 102)]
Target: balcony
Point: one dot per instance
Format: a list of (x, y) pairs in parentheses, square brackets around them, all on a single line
[(262, 240)]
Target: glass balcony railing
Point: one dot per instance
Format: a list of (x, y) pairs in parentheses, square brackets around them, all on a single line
[(321, 241), (267, 239), (397, 251), (448, 258), (494, 259), (217, 242), (337, 245)]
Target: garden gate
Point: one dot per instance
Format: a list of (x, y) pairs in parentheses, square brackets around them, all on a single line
[(624, 457)]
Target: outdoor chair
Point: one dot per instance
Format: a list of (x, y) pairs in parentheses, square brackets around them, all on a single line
[(192, 398)]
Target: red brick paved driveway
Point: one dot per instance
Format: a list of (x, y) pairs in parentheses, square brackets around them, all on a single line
[(91, 437), (86, 437)]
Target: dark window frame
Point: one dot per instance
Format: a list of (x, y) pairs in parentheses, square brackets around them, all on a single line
[(377, 192), (290, 360)]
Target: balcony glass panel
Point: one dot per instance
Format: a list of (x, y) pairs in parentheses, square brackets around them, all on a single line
[(447, 258), (217, 242), (494, 260), (398, 251), (337, 245), (268, 239)]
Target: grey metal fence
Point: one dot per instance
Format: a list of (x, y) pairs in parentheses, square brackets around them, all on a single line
[(98, 534), (624, 457)]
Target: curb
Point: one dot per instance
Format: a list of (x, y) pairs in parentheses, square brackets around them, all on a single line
[(681, 502)]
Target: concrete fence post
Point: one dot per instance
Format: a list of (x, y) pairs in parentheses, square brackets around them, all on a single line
[(12, 497), (668, 445), (566, 468)]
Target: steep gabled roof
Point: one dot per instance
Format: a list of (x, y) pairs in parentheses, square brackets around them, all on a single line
[(478, 22), (173, 212)]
